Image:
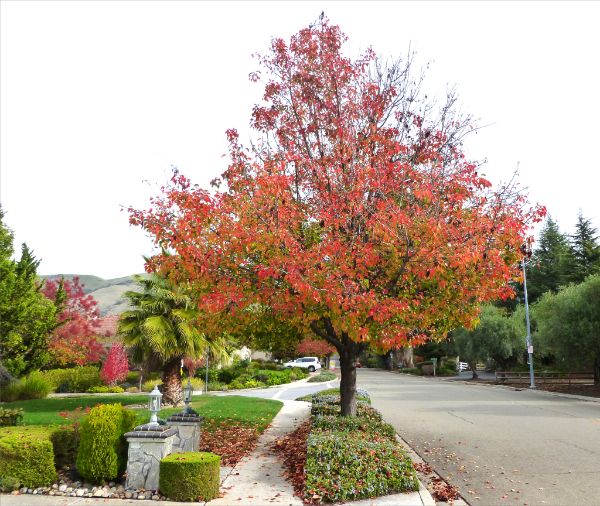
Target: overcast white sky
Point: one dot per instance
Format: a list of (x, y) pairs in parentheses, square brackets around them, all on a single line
[(98, 97)]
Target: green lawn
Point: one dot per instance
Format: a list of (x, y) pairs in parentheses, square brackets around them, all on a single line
[(220, 410)]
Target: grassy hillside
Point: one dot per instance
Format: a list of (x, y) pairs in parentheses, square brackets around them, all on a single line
[(108, 292)]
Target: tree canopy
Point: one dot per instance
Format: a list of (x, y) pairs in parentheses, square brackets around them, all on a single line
[(354, 213), (26, 317)]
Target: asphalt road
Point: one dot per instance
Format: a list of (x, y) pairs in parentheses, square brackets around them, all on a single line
[(497, 445)]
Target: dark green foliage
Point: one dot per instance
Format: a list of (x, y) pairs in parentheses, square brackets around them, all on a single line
[(497, 336), (586, 249), (345, 466), (102, 453), (411, 370), (65, 441), (27, 317), (74, 379), (26, 455), (190, 476), (552, 265), (569, 325), (10, 417), (322, 377), (353, 424)]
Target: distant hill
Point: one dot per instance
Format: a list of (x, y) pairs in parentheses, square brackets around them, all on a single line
[(108, 292)]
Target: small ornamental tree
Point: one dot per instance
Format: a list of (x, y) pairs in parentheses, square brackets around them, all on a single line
[(354, 214), (115, 367), (316, 348), (74, 341)]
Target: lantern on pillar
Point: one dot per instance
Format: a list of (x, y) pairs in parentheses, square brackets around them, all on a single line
[(188, 390), (154, 405)]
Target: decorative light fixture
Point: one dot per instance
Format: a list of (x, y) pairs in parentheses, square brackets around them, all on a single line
[(154, 405), (188, 390)]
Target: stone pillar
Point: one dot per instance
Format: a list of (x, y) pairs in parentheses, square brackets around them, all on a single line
[(188, 426), (148, 444)]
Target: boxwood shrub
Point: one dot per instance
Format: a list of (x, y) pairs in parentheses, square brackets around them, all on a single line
[(10, 417), (102, 452), (190, 476), (345, 466), (26, 456)]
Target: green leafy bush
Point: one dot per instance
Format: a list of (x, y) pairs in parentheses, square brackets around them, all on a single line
[(323, 376), (298, 373), (103, 389), (102, 453), (190, 476), (353, 424), (217, 386), (75, 379), (34, 386), (9, 483), (345, 466), (10, 417), (26, 455), (132, 390), (245, 381), (149, 385)]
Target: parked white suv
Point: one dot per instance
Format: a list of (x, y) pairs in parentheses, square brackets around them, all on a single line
[(310, 363)]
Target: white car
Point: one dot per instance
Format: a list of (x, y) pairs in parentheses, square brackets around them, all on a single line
[(310, 363)]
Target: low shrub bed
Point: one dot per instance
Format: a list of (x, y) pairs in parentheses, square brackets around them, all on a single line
[(190, 476), (336, 459), (342, 466), (251, 375), (10, 417), (323, 376)]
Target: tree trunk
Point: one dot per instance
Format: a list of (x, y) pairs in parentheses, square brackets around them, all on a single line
[(387, 361), (473, 366), (348, 382), (172, 390)]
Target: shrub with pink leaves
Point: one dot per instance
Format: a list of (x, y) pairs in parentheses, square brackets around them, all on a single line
[(115, 367)]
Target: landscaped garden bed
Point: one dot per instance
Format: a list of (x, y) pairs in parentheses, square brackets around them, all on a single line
[(332, 458), (57, 434)]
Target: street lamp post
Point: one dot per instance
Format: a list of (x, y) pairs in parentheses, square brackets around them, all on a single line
[(528, 338)]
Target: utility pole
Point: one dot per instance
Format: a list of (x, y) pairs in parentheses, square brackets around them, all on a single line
[(527, 253)]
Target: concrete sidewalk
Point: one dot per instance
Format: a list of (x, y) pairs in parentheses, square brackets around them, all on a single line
[(258, 477)]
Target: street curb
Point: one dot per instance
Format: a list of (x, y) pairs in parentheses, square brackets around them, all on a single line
[(426, 496)]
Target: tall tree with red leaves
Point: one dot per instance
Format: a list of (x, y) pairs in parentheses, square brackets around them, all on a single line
[(354, 214), (74, 342)]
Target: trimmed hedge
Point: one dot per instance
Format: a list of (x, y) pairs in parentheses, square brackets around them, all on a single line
[(323, 376), (102, 453), (190, 476), (27, 456), (344, 466), (103, 389)]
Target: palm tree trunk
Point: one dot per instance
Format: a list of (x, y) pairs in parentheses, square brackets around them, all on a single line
[(171, 379)]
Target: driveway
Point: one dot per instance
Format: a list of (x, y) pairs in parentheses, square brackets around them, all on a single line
[(497, 445)]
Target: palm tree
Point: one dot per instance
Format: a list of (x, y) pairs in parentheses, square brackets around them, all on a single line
[(163, 325)]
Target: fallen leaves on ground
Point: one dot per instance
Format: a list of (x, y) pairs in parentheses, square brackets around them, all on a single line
[(422, 467), (444, 492), (292, 449), (231, 442)]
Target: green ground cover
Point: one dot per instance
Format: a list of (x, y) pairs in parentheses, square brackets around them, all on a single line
[(222, 410)]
